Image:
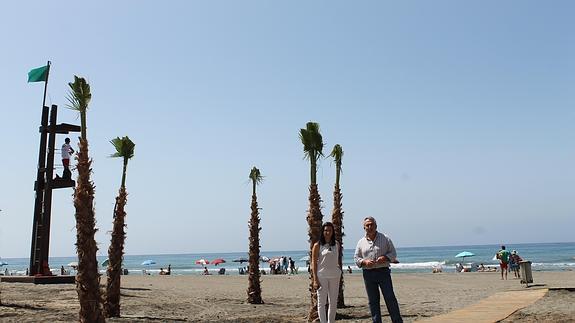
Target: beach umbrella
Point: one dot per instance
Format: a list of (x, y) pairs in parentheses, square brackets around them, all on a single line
[(240, 260), (464, 254), (304, 258), (264, 259), (202, 262), (2, 263), (106, 262), (218, 261), (73, 264), (148, 262)]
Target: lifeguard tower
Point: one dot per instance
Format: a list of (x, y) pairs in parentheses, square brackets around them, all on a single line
[(39, 269)]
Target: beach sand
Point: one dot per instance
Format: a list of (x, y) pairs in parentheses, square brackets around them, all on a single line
[(222, 298)]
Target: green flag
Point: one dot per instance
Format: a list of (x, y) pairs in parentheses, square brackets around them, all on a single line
[(39, 74)]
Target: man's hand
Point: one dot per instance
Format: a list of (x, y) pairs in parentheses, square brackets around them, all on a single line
[(367, 263), (381, 259)]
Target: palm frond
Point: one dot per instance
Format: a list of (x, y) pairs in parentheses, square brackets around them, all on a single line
[(256, 176), (124, 147), (312, 141), (337, 153), (79, 96)]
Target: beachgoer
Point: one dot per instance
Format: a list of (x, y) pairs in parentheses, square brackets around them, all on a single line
[(326, 272), (62, 271), (503, 256), (373, 255), (481, 268), (162, 272), (349, 269), (280, 265), (286, 265), (514, 260), (291, 266), (169, 272), (66, 152), (206, 272)]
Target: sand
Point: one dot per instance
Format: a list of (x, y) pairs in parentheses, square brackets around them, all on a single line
[(222, 298)]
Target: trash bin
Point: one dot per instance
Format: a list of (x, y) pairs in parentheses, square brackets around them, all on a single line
[(525, 270)]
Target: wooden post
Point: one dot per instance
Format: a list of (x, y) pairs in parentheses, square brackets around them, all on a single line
[(47, 212), (39, 200)]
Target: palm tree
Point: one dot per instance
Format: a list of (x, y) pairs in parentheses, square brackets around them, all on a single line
[(88, 278), (312, 146), (124, 149), (254, 288), (337, 217)]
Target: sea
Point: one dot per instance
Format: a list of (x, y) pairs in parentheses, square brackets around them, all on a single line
[(543, 257)]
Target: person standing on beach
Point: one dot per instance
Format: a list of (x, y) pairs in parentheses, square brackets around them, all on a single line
[(373, 254), (326, 272), (503, 256), (66, 152), (514, 260)]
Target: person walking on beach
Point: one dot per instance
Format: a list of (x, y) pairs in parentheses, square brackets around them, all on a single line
[(373, 254), (326, 272), (503, 256), (66, 152)]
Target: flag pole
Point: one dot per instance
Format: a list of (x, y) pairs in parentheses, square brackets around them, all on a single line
[(46, 84)]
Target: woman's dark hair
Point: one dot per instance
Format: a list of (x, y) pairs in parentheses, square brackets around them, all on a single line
[(322, 238)]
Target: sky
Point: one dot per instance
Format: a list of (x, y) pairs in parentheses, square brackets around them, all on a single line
[(456, 119)]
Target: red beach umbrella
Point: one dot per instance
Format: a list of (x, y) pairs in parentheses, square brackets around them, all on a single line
[(218, 261), (202, 262)]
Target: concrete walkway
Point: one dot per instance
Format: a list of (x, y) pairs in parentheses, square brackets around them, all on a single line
[(493, 308)]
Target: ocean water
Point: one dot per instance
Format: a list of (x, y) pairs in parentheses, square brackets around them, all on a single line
[(544, 257)]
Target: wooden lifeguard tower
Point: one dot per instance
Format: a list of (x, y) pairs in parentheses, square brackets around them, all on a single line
[(39, 270), (45, 183)]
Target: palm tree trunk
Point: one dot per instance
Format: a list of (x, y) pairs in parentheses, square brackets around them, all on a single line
[(88, 278), (254, 287), (314, 220), (115, 256), (83, 123), (337, 220), (313, 171), (123, 184)]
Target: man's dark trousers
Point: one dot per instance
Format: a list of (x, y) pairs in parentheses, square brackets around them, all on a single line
[(375, 279)]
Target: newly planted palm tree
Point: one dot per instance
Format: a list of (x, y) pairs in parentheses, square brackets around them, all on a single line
[(337, 216), (254, 287), (312, 146), (87, 278), (125, 150)]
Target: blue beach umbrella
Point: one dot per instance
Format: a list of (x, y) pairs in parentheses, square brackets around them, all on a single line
[(148, 262), (2, 263), (464, 254)]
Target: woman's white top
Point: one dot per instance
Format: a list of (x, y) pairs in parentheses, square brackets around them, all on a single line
[(327, 266)]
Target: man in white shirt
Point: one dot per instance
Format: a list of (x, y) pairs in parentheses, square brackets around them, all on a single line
[(66, 152), (373, 254)]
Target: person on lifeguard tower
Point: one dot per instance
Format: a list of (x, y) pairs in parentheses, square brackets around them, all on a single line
[(66, 151)]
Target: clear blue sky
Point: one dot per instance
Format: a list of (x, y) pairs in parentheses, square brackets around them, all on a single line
[(457, 118)]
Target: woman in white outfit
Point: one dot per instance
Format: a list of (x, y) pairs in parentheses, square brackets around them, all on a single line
[(326, 272)]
